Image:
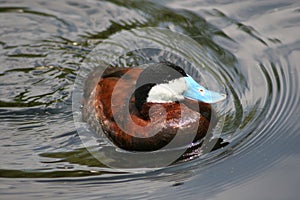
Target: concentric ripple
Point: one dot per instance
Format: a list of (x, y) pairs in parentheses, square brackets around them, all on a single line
[(246, 49), (137, 48)]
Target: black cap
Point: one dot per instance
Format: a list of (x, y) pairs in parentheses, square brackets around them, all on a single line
[(155, 73)]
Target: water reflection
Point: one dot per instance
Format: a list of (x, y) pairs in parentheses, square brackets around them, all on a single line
[(254, 44)]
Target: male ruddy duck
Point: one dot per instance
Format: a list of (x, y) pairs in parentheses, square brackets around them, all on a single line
[(142, 109)]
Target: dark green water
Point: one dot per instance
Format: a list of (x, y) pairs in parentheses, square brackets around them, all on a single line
[(251, 48)]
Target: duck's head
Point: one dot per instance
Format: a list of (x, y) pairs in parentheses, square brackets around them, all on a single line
[(165, 82)]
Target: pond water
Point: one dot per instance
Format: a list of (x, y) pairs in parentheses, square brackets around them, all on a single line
[(251, 49)]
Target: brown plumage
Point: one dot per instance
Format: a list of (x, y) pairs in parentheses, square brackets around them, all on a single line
[(111, 107)]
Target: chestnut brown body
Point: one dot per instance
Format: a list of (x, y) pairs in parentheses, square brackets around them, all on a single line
[(110, 108)]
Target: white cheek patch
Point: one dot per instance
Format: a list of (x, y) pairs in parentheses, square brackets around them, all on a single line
[(168, 92)]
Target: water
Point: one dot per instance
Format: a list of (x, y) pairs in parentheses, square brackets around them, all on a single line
[(252, 48)]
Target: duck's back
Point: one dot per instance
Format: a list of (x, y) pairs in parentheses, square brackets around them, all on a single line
[(115, 114)]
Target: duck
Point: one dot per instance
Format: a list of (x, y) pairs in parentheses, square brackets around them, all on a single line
[(144, 108)]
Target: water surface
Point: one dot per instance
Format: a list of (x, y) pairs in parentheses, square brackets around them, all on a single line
[(252, 48)]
